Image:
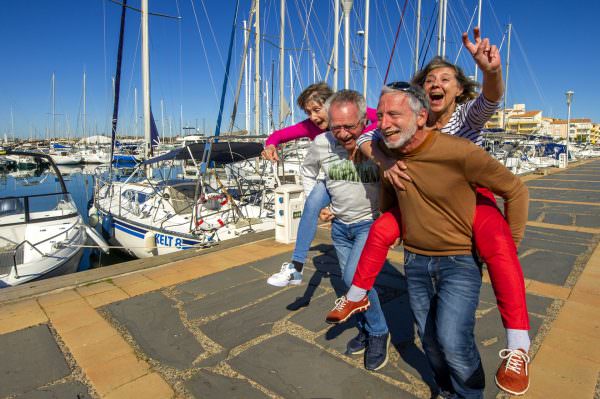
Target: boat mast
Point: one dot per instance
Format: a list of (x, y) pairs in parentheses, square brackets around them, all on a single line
[(257, 68), (281, 61), (336, 35), (417, 37), (291, 91), (53, 109), (84, 114), (162, 116), (366, 49), (439, 26), (135, 112), (246, 88), (444, 19), (146, 80), (506, 79), (347, 7)]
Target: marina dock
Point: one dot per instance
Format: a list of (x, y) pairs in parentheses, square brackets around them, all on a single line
[(205, 324)]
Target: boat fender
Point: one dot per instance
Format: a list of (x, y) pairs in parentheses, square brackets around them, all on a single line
[(97, 238), (150, 243), (107, 227), (93, 216)]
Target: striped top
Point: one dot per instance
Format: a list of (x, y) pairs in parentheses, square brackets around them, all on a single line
[(466, 121)]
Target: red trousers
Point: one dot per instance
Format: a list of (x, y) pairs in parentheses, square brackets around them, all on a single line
[(493, 241)]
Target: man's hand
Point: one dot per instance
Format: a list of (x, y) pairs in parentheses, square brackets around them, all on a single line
[(326, 215), (485, 55), (270, 153), (393, 171), (396, 242)]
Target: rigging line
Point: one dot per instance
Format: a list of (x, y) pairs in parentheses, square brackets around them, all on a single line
[(124, 4), (468, 29), (212, 80), (529, 68), (212, 32), (388, 43), (133, 66), (395, 40), (310, 28), (305, 26), (430, 34)]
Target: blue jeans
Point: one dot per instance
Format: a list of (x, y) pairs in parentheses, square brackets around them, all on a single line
[(349, 240), (317, 199), (444, 293)]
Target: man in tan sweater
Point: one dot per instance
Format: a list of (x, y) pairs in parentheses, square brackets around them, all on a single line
[(437, 210)]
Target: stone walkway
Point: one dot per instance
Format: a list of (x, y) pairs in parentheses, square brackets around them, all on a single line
[(210, 327)]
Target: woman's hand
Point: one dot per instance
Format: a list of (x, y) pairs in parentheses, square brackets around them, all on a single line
[(393, 171), (270, 153), (485, 55), (326, 215)]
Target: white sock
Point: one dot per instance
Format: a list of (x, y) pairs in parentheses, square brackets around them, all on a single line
[(518, 339), (355, 293)]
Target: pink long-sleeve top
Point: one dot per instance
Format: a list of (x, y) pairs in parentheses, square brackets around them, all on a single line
[(308, 129)]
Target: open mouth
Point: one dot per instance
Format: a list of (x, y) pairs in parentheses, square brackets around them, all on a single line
[(436, 96)]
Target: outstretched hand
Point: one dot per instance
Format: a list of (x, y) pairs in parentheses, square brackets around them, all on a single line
[(270, 153), (486, 56)]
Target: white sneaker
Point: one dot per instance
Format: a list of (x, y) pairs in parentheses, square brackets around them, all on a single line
[(287, 275)]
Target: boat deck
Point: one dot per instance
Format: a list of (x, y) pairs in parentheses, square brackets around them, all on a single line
[(205, 324)]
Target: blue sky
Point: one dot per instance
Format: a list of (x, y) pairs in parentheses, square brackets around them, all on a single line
[(554, 48)]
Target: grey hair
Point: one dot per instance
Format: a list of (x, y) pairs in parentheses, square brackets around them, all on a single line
[(417, 98), (351, 97)]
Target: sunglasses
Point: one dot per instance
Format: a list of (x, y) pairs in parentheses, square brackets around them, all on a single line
[(409, 88)]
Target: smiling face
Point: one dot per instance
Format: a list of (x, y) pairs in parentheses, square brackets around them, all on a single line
[(401, 126), (442, 88), (345, 124), (317, 114)]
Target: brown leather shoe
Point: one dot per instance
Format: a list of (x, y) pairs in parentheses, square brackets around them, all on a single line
[(513, 374), (344, 308)]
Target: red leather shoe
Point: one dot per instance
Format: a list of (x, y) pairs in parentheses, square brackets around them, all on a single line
[(513, 374), (344, 308)]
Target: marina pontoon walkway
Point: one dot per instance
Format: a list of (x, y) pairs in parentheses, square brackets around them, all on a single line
[(205, 324)]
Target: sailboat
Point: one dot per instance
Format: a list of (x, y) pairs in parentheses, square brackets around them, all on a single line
[(149, 215), (41, 235)]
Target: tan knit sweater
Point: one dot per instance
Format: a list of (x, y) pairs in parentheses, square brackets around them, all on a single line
[(438, 206)]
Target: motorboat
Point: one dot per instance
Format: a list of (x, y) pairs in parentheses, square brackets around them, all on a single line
[(41, 234)]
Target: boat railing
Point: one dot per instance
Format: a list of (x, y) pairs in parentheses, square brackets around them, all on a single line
[(17, 252)]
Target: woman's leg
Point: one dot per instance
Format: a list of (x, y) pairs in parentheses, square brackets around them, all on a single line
[(496, 247), (318, 199), (383, 233)]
